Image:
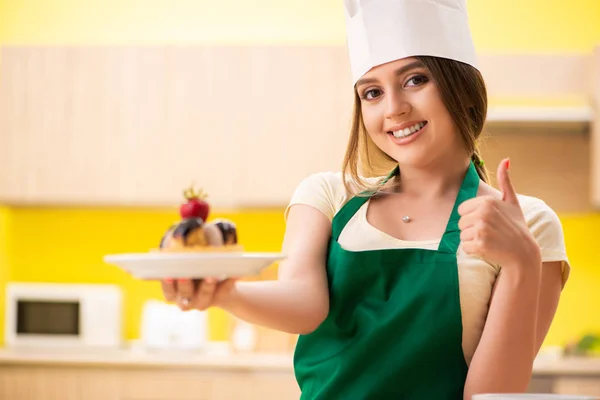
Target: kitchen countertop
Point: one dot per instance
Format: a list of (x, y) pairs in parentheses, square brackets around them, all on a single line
[(140, 358), (572, 366), (577, 366)]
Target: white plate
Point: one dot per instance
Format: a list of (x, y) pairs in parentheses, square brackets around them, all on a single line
[(193, 265), (532, 396)]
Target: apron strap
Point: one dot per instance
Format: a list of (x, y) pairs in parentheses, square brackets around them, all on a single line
[(353, 205), (451, 239), (468, 190)]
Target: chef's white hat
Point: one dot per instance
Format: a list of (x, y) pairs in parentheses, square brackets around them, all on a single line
[(380, 31)]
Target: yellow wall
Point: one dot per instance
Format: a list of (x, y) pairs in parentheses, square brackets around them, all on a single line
[(578, 310), (67, 245), (50, 244), (5, 226), (498, 25)]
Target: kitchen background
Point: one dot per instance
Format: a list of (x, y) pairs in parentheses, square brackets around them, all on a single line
[(50, 240)]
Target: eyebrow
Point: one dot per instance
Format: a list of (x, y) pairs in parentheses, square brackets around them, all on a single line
[(399, 71)]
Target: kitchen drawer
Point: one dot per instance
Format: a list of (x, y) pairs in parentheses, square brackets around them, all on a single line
[(577, 385), (165, 385), (38, 384)]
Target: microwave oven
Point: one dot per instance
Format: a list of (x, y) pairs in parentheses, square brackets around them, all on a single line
[(63, 315)]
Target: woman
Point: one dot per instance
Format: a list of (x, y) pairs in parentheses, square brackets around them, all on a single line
[(424, 284)]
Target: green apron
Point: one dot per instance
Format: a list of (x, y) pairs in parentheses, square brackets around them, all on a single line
[(394, 328)]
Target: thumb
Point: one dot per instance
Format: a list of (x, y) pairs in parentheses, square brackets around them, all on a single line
[(508, 191)]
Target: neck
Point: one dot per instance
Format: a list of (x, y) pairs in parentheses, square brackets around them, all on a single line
[(436, 180)]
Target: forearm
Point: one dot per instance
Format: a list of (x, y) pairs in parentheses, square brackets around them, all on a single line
[(291, 306), (504, 358)]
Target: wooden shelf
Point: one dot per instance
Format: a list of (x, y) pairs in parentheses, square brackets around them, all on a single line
[(580, 114)]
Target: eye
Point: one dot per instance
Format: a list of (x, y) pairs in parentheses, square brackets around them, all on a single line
[(417, 80), (370, 94)]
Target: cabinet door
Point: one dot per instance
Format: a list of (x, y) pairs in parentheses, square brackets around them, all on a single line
[(259, 386), (136, 126), (595, 130), (22, 383), (100, 383), (117, 125), (584, 386), (299, 124), (168, 384)]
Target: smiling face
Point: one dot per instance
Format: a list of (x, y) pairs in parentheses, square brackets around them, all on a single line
[(405, 116), (442, 103)]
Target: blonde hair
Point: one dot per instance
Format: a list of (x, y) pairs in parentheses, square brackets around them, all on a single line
[(464, 94)]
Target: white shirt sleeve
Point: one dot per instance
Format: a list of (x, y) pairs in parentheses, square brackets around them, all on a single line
[(547, 229), (323, 191)]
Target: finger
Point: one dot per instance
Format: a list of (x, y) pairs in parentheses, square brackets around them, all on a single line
[(468, 234), (228, 284), (185, 293), (471, 248), (230, 281), (205, 293), (508, 191), (169, 289), (196, 283), (468, 221), (224, 289), (471, 205)]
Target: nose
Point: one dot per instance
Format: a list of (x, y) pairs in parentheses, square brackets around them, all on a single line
[(396, 105)]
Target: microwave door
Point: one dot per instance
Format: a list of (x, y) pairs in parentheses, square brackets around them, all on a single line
[(54, 318)]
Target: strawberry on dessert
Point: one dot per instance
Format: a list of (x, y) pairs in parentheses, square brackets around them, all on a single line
[(194, 233), (195, 206)]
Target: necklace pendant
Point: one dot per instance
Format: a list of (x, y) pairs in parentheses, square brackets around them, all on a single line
[(406, 219)]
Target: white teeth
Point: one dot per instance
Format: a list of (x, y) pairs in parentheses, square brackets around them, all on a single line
[(408, 131)]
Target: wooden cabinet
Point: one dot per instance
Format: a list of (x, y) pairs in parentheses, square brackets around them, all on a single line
[(22, 383), (589, 386), (165, 385), (139, 383), (129, 125), (123, 375), (136, 125), (595, 130), (97, 383), (566, 384)]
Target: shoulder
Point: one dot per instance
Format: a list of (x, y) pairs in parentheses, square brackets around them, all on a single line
[(544, 224), (546, 227), (540, 217), (325, 191), (535, 209)]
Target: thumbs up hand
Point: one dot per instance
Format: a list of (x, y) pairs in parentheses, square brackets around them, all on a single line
[(493, 228)]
